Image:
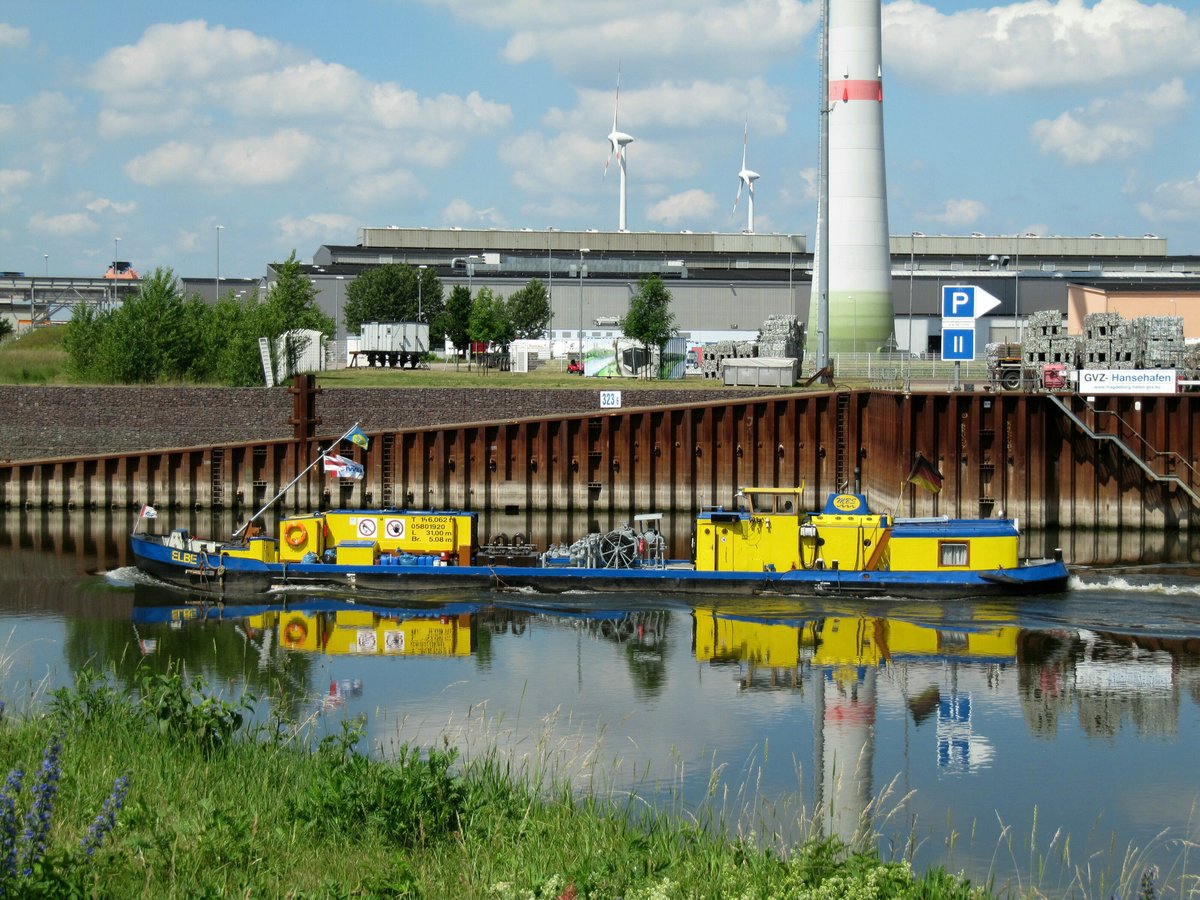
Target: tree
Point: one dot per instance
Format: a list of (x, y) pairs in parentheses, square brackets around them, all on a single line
[(490, 322), (396, 293), (529, 310), (649, 320), (5, 328), (457, 318)]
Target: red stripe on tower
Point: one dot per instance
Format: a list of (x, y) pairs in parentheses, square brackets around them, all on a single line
[(856, 89)]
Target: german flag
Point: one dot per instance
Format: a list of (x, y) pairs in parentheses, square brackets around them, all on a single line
[(925, 474)]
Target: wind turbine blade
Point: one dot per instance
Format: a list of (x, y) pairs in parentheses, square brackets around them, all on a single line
[(737, 199)]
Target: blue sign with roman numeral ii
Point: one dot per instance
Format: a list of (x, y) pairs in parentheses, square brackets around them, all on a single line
[(958, 344)]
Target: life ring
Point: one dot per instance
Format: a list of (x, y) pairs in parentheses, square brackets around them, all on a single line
[(295, 632), (296, 535)]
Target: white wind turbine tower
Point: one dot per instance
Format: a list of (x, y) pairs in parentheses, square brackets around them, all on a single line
[(746, 179), (617, 141)]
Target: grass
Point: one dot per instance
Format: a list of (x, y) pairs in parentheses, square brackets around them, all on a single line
[(215, 808), (36, 357)]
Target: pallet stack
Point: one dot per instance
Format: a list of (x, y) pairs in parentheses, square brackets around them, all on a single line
[(1046, 341), (716, 354), (781, 337), (1110, 342), (1162, 341)]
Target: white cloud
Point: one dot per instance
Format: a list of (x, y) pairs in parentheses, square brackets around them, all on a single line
[(690, 206), (269, 160), (325, 227), (12, 179), (102, 204), (460, 213), (13, 37), (201, 83), (1111, 128), (64, 224), (957, 213), (382, 187), (1039, 43), (187, 53), (1174, 201), (714, 36)]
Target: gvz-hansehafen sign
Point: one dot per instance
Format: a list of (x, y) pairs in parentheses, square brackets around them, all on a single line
[(1127, 381)]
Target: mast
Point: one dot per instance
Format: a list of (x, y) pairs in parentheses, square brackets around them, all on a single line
[(823, 193)]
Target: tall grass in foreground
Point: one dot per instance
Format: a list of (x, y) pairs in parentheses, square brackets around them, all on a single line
[(37, 357), (209, 807)]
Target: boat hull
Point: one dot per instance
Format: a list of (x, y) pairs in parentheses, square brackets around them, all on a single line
[(221, 574)]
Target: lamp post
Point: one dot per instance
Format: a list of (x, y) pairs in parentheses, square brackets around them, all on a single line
[(337, 319), (116, 241), (46, 259), (582, 250), (550, 282), (218, 289), (420, 277), (912, 264)]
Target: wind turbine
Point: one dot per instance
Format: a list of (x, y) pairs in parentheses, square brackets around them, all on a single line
[(617, 141), (746, 179)]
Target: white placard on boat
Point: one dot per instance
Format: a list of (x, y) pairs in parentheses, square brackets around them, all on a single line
[(393, 642), (368, 528), (368, 642), (393, 529)]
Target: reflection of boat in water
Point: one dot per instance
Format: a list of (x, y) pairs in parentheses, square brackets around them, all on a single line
[(327, 625), (762, 544)]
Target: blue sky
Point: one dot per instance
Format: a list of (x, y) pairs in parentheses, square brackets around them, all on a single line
[(293, 124)]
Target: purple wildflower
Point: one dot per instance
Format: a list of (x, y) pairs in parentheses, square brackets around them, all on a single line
[(37, 820), (8, 822), (106, 819)]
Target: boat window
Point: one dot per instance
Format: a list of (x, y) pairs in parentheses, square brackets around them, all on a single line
[(953, 553)]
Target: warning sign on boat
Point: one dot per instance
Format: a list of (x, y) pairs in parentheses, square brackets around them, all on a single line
[(367, 527), (393, 529)]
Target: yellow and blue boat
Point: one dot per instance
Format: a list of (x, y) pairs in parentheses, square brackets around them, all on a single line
[(762, 543)]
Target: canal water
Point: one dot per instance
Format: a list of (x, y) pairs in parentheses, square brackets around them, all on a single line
[(1044, 742)]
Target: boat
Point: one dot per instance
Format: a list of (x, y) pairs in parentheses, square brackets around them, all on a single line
[(762, 543)]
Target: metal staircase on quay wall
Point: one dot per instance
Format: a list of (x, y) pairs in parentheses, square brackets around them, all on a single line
[(1100, 436)]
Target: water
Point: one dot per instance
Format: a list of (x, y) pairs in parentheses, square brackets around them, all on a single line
[(982, 734)]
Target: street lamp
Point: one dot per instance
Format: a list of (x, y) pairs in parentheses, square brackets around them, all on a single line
[(337, 319), (116, 241), (550, 282), (46, 259), (912, 264), (420, 278), (582, 250), (219, 227)]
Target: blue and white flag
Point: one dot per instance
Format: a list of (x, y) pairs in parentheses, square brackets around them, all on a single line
[(340, 467), (358, 437)]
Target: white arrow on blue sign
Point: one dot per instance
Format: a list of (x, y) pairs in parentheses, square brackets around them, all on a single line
[(966, 301)]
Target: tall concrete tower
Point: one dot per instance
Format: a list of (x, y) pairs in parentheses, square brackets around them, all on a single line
[(861, 314)]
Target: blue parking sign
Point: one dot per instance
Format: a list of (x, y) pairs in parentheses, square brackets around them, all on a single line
[(958, 344)]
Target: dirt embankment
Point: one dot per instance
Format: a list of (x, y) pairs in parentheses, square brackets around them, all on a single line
[(46, 422)]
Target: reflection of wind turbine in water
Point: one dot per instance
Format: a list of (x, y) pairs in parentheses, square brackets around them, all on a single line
[(617, 141), (746, 179)]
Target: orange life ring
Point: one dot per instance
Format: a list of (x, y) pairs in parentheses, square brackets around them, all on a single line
[(296, 535), (295, 632)]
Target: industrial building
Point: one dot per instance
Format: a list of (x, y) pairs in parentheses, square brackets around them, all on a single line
[(724, 286)]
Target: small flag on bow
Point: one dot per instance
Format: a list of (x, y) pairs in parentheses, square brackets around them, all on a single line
[(340, 467), (357, 436), (925, 474), (148, 512)]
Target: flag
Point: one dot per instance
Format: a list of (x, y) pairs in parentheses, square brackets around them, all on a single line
[(356, 435), (341, 467), (925, 474), (147, 512)]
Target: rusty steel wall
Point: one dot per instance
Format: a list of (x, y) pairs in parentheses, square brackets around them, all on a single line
[(1000, 454)]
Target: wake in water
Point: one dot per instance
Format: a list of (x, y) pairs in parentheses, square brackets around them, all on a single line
[(1154, 583)]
